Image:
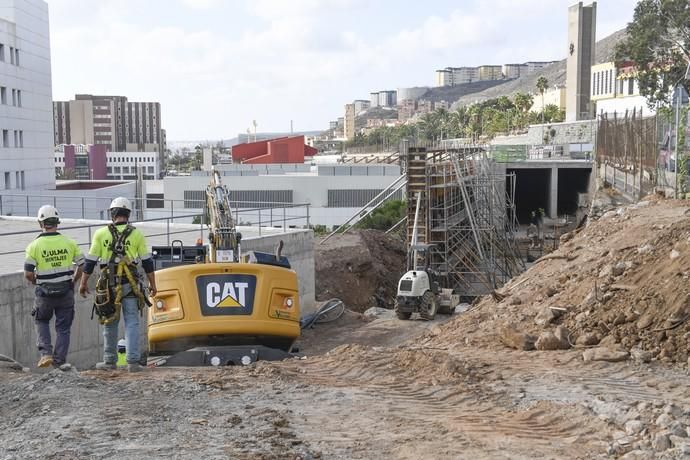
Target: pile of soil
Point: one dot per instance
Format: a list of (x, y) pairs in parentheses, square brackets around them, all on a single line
[(361, 267), (621, 284)]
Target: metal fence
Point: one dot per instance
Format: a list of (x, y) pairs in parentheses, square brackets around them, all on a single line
[(628, 151), (279, 215)]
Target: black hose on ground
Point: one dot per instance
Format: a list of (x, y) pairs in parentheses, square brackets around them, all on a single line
[(331, 310)]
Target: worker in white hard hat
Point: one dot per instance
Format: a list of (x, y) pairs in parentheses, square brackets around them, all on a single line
[(121, 251), (53, 264)]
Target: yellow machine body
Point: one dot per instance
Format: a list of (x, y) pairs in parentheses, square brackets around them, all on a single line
[(218, 304)]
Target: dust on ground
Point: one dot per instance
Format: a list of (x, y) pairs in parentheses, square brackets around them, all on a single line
[(448, 389), (361, 267)]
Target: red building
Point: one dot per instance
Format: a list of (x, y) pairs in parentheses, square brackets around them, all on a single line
[(280, 150)]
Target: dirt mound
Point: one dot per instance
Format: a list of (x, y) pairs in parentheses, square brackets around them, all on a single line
[(621, 283), (362, 268)]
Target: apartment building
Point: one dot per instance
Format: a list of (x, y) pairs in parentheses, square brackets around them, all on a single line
[(94, 162), (349, 121), (112, 121), (26, 146), (490, 72)]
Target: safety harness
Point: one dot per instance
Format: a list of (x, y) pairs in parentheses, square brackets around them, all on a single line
[(118, 271)]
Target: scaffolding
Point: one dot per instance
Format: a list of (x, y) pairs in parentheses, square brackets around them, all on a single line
[(467, 215)]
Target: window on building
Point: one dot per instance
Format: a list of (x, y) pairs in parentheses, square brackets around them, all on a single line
[(150, 169), (19, 98), (16, 179), (16, 57), (8, 184), (5, 138), (22, 179), (116, 169), (3, 95), (620, 86), (155, 200), (16, 139), (2, 52), (11, 55), (630, 86), (21, 138), (14, 97), (109, 170), (125, 170)]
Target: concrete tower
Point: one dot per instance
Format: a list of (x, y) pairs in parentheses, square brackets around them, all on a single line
[(582, 22)]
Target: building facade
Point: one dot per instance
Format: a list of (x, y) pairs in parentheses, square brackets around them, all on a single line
[(615, 90), (273, 151), (552, 96), (25, 96), (112, 121), (94, 162), (361, 105), (514, 70), (349, 122), (490, 72)]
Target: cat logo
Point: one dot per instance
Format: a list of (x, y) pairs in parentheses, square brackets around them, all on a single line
[(226, 294)]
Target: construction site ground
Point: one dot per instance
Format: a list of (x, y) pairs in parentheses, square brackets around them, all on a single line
[(602, 374)]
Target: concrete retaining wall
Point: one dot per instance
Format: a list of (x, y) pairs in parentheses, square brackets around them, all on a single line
[(18, 332)]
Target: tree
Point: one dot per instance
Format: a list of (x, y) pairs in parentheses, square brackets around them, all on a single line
[(657, 44), (542, 84), (523, 102)]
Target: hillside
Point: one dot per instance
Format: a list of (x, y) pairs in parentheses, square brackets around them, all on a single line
[(555, 74)]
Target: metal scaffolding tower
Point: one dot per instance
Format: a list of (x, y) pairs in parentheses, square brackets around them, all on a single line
[(468, 214)]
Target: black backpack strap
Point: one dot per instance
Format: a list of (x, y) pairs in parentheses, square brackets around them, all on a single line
[(117, 243)]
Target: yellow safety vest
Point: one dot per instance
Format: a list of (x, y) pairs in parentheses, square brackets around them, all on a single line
[(52, 257)]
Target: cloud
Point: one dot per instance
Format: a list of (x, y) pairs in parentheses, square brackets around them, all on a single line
[(201, 4)]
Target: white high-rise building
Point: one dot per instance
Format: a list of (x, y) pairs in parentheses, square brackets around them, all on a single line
[(26, 108)]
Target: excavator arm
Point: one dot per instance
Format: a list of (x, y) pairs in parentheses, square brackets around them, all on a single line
[(224, 241)]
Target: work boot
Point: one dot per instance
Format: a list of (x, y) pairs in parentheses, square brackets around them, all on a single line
[(134, 367), (106, 366), (45, 361)]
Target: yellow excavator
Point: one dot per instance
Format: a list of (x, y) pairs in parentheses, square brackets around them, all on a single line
[(216, 306)]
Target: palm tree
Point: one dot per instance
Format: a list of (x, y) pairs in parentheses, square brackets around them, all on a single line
[(542, 84)]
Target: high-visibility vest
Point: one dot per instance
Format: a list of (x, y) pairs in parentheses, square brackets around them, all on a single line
[(52, 257)]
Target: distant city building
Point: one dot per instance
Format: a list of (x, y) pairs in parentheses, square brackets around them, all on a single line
[(490, 72), (333, 125), (112, 121), (413, 93), (25, 95), (340, 128), (409, 108), (533, 66), (374, 99), (349, 127), (451, 76), (361, 105), (273, 151), (94, 162), (581, 46), (514, 70), (615, 90), (387, 98)]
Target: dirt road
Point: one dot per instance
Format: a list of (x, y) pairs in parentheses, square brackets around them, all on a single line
[(382, 398)]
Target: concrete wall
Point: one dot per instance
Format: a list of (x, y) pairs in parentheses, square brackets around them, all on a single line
[(17, 329)]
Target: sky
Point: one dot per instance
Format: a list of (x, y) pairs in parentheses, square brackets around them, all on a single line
[(217, 65)]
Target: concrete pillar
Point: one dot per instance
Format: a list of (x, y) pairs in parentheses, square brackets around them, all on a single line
[(552, 211)]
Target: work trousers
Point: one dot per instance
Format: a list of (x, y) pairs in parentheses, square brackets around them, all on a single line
[(130, 314), (62, 308)]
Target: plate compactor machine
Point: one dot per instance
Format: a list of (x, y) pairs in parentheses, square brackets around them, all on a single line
[(216, 306)]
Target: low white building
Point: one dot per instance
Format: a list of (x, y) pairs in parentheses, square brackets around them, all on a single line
[(277, 194), (615, 90), (122, 165)]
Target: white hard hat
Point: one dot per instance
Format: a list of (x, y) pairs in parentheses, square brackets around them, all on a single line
[(121, 202), (47, 212), (121, 343)]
